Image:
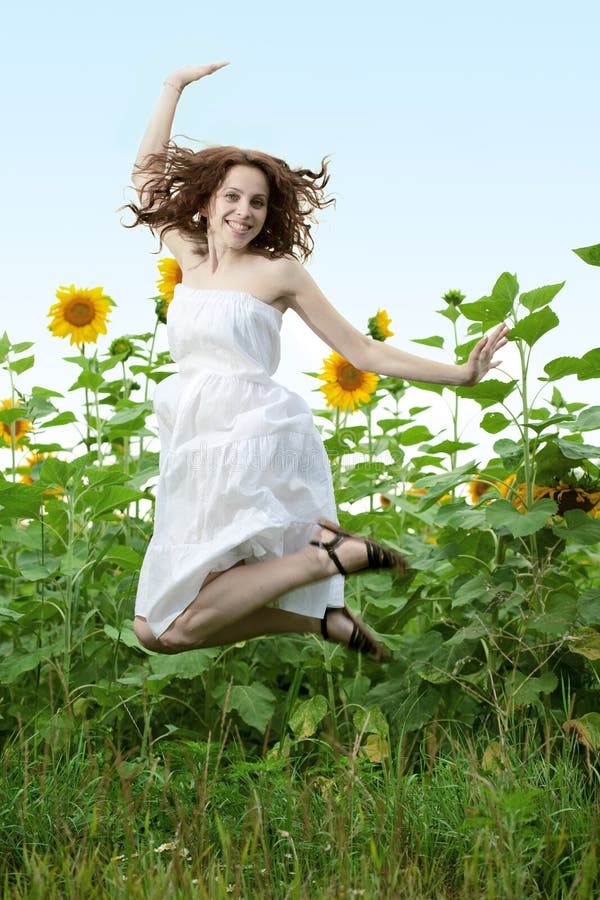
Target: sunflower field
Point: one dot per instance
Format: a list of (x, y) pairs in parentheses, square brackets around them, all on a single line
[(493, 637)]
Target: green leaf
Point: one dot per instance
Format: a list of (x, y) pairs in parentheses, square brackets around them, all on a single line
[(22, 346), (588, 607), (434, 341), (112, 498), (128, 414), (63, 418), (371, 721), (125, 557), (510, 453), (184, 665), (448, 447), (307, 717), (502, 514), (586, 643), (125, 636), (533, 327), (87, 379), (574, 450), (12, 667), (590, 255), (580, 527), (587, 420), (541, 296), (506, 288), (438, 485), (44, 392), (586, 367), (21, 365), (415, 435), (487, 392), (493, 422), (528, 689), (460, 516), (488, 311), (254, 702)]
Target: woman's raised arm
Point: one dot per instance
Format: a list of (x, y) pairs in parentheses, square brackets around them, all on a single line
[(159, 127)]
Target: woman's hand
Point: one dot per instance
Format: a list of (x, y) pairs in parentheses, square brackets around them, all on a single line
[(180, 78), (482, 354)]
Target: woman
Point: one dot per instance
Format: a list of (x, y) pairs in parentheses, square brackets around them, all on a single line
[(244, 478)]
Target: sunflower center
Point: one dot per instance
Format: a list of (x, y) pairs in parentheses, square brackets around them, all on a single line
[(350, 378), (79, 312)]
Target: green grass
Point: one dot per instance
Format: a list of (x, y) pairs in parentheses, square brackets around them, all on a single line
[(79, 819)]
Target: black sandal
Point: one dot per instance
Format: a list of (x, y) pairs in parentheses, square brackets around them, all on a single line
[(361, 640), (378, 555)]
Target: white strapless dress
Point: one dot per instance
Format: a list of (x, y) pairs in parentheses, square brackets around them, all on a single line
[(244, 474)]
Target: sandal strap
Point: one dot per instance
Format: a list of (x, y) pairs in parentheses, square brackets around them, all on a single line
[(330, 546)]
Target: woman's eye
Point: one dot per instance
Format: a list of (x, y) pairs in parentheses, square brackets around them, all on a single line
[(231, 196), (258, 203)]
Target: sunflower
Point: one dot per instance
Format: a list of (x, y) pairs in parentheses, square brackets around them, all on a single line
[(21, 426), (170, 275), (378, 326), (81, 313), (347, 387)]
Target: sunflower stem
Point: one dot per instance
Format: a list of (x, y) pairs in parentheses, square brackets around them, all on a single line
[(88, 439), (147, 387)]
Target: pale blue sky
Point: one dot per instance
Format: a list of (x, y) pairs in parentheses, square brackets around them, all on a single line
[(464, 141)]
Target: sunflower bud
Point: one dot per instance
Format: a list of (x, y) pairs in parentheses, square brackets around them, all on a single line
[(453, 298), (378, 326), (121, 345), (160, 309)]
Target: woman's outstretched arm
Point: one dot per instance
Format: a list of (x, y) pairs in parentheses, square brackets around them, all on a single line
[(305, 298)]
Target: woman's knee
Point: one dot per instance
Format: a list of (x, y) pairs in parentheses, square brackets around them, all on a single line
[(145, 636)]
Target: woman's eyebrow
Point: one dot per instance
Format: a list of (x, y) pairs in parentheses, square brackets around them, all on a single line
[(230, 187)]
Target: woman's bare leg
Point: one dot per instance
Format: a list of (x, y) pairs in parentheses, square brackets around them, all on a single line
[(241, 591), (258, 624)]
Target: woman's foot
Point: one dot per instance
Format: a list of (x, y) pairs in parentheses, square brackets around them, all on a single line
[(341, 552), (340, 626)]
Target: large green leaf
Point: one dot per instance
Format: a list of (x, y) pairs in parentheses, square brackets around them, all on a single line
[(438, 485), (587, 420), (541, 296), (12, 667), (580, 528), (487, 392), (590, 255), (526, 689), (184, 665), (575, 450), (586, 367), (254, 702), (588, 607), (502, 514), (533, 327)]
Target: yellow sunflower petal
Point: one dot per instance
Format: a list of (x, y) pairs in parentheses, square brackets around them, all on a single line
[(170, 275)]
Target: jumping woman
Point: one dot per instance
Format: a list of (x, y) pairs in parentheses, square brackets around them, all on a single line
[(246, 540)]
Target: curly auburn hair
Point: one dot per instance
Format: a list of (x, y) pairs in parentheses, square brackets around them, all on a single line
[(182, 181)]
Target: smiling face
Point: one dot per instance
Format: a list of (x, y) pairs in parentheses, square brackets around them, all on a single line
[(238, 207)]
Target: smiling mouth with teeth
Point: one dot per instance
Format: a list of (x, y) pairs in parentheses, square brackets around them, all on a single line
[(238, 227)]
